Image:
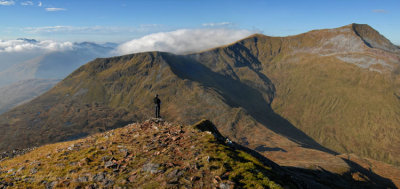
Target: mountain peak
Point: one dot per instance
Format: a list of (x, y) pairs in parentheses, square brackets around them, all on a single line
[(28, 40), (373, 38)]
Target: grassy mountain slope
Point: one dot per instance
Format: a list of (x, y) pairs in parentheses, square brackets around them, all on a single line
[(339, 86), (104, 94), (345, 106), (109, 93)]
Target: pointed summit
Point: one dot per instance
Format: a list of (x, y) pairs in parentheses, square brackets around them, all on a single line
[(373, 38)]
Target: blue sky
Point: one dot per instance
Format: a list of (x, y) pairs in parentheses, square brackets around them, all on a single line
[(122, 20)]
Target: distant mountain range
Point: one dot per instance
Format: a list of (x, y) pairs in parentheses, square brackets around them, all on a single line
[(325, 100), (35, 68)]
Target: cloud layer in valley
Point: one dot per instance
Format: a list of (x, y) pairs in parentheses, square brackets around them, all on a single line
[(183, 40), (178, 41), (25, 45)]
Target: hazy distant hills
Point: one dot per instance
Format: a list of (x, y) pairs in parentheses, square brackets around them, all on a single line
[(299, 100), (32, 69), (53, 65), (21, 91)]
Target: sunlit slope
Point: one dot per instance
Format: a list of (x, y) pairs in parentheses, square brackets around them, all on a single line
[(152, 154)]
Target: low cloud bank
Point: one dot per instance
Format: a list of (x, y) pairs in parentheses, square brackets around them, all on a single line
[(26, 45), (178, 42), (183, 40)]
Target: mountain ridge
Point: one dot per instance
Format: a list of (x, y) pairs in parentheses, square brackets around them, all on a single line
[(373, 38)]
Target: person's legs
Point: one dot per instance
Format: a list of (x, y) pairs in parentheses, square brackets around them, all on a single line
[(159, 115), (158, 111)]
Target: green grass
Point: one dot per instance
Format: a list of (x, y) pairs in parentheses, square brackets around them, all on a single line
[(345, 108), (242, 167)]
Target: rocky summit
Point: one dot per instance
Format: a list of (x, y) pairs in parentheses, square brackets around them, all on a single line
[(153, 154), (322, 101), (158, 154)]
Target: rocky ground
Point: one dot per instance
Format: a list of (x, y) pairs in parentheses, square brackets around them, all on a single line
[(153, 154), (159, 154)]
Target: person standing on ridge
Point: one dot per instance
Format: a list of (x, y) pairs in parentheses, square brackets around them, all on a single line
[(157, 102)]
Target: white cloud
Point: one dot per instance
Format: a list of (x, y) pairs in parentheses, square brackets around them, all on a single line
[(379, 11), (55, 9), (183, 40), (39, 4), (27, 3), (219, 24), (6, 3), (21, 45)]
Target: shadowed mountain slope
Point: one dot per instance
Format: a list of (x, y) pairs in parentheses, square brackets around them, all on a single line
[(373, 39), (107, 89), (291, 98)]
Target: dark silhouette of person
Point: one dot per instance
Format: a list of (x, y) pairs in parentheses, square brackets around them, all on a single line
[(157, 103)]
